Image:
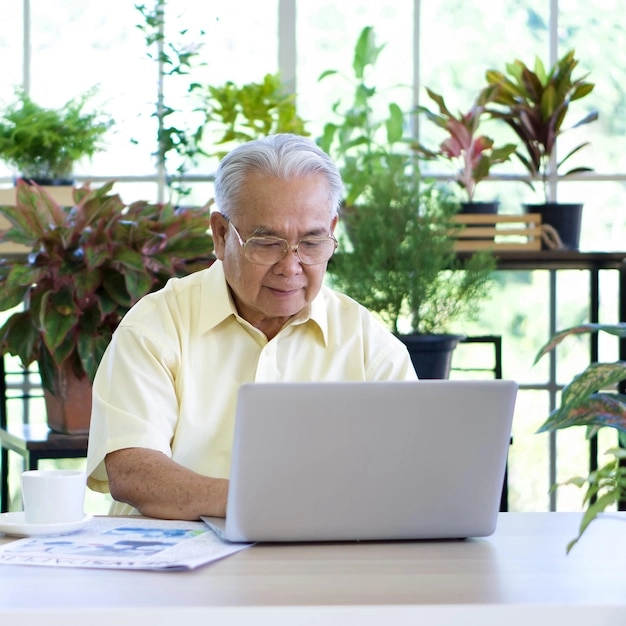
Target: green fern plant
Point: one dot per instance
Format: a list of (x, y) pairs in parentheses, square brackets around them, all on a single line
[(43, 143)]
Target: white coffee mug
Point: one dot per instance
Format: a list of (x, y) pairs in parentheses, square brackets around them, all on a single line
[(53, 496)]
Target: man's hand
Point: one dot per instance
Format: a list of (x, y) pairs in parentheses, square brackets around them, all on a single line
[(159, 487)]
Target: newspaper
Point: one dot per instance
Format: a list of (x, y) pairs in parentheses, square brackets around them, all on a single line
[(124, 543)]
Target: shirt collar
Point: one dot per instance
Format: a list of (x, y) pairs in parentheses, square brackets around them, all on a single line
[(315, 313), (218, 305)]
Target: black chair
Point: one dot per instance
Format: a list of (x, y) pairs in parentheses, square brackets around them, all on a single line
[(496, 342)]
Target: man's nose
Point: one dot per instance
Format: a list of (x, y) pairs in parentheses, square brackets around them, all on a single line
[(291, 262)]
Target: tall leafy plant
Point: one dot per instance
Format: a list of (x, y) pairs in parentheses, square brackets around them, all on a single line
[(361, 143), (177, 137), (591, 400), (397, 245)]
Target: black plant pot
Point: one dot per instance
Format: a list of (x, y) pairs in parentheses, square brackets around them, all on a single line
[(564, 218), (49, 182), (482, 208), (431, 355)]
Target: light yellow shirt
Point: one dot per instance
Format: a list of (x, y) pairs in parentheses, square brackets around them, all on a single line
[(169, 378)]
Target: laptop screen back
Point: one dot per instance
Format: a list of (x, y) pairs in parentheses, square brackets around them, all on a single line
[(368, 461)]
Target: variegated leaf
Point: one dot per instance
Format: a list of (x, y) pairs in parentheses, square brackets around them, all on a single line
[(613, 329), (596, 377), (596, 409)]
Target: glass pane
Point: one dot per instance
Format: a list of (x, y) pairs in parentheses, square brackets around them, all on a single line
[(100, 45), (242, 41), (241, 46), (529, 482), (595, 31), (573, 460)]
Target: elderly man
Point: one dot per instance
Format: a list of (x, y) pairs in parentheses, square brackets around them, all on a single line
[(165, 392)]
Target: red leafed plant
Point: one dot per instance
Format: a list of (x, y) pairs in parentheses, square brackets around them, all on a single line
[(88, 264), (473, 153)]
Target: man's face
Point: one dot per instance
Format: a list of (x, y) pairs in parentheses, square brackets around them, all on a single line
[(268, 295)]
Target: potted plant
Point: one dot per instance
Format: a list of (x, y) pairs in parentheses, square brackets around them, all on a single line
[(397, 258), (396, 252), (584, 403), (88, 264), (43, 143), (472, 153), (397, 248), (534, 103)]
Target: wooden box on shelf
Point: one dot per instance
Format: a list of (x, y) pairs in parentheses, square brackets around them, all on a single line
[(498, 232)]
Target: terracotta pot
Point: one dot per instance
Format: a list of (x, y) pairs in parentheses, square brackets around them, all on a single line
[(69, 409)]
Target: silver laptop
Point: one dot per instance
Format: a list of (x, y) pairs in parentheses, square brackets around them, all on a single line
[(367, 461)]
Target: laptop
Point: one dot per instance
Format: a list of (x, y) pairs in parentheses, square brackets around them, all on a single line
[(357, 461)]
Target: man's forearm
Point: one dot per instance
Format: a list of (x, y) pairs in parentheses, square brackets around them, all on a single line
[(159, 487)]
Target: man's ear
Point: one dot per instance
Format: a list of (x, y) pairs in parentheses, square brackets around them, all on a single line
[(333, 224), (219, 226)]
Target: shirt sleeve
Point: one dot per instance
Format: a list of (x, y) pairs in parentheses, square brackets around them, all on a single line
[(392, 363), (134, 400), (387, 358)]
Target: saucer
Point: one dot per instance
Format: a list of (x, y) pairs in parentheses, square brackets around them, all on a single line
[(15, 525)]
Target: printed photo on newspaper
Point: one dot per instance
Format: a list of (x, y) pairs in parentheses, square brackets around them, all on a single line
[(123, 543)]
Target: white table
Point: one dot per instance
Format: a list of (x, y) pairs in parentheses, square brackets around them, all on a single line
[(520, 575)]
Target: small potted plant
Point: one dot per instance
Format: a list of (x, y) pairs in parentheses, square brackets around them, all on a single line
[(535, 103), (472, 153), (44, 143), (590, 400), (88, 264)]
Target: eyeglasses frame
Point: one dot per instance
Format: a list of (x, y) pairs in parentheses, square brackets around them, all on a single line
[(289, 248)]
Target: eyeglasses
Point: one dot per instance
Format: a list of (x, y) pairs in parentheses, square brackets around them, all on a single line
[(270, 250)]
